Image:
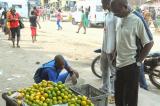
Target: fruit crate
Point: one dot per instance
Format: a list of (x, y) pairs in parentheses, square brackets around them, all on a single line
[(97, 97)]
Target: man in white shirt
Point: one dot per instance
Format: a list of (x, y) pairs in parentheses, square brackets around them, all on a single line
[(129, 28), (108, 48)]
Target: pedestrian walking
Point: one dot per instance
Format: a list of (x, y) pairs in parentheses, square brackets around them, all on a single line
[(129, 29), (83, 22), (13, 19), (108, 51), (59, 19), (7, 25), (33, 25), (154, 18)]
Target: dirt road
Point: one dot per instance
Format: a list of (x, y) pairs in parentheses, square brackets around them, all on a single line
[(17, 65)]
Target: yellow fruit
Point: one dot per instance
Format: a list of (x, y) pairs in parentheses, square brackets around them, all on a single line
[(83, 103), (44, 104), (65, 97), (35, 86), (19, 102), (45, 95), (54, 99), (59, 82), (59, 98), (55, 102), (58, 93), (42, 98), (37, 97), (84, 98), (62, 94), (89, 102)]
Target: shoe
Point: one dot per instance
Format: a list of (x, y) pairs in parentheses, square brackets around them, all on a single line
[(77, 32), (13, 46), (84, 33)]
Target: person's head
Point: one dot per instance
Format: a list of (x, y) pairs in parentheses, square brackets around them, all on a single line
[(34, 8), (59, 10), (106, 4), (59, 61), (32, 13), (120, 8), (82, 11), (13, 11)]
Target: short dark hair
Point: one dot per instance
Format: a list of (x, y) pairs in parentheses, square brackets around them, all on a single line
[(104, 3), (34, 8), (58, 58), (121, 2)]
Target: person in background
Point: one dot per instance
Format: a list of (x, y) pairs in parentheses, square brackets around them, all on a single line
[(59, 19), (7, 25), (3, 18), (52, 71), (14, 18), (142, 79), (153, 16), (129, 29), (33, 25), (83, 22), (147, 16), (108, 51)]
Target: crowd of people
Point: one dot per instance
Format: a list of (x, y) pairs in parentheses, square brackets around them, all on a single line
[(150, 15)]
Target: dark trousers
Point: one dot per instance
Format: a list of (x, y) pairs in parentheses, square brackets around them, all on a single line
[(15, 32), (126, 85)]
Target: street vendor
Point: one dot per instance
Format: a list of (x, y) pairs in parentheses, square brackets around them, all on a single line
[(52, 71)]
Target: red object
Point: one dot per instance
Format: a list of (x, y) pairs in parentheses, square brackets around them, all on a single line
[(33, 31), (14, 23)]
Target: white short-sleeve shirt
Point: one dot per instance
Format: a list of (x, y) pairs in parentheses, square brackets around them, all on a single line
[(127, 29), (109, 37)]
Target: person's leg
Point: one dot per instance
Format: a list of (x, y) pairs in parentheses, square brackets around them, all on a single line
[(62, 76), (13, 33), (9, 34), (80, 25), (32, 34), (131, 87), (35, 31), (18, 36), (105, 72), (119, 88), (142, 79), (58, 24), (84, 29)]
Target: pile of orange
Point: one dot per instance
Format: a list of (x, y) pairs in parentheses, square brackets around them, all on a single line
[(48, 93)]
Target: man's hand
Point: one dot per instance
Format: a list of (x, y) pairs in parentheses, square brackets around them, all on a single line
[(76, 73)]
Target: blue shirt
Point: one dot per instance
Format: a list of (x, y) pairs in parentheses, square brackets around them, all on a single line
[(50, 72)]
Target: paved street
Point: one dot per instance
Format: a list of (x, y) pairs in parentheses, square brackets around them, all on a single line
[(17, 65)]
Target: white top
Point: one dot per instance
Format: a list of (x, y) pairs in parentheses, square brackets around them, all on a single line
[(127, 30), (1, 10), (109, 37)]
